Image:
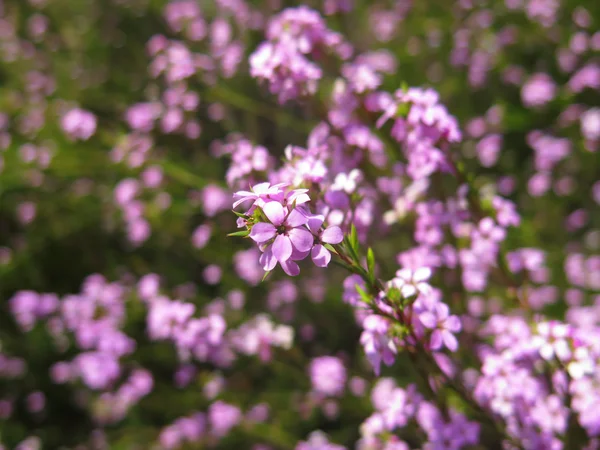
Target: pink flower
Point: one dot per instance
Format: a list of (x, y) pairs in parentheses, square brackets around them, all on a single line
[(411, 282), (201, 236), (538, 90), (260, 193), (377, 343), (291, 240), (331, 235), (444, 326), (79, 124)]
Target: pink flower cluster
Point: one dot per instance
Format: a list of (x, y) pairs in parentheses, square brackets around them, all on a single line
[(280, 222), (283, 62)]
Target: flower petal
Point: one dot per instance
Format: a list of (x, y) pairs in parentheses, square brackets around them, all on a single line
[(320, 256), (422, 274), (301, 198), (290, 267), (267, 260), (274, 212), (261, 188), (295, 219), (423, 288), (449, 340), (277, 187), (436, 340), (282, 248), (442, 311), (240, 194), (332, 235), (315, 222), (452, 323), (337, 199), (262, 232), (408, 290), (428, 319), (242, 200), (301, 238), (297, 195), (404, 274), (297, 255)]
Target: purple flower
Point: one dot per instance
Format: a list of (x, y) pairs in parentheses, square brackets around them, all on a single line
[(318, 441), (164, 317), (283, 61), (289, 73), (31, 443), (201, 236), (246, 161), (257, 336), (203, 338), (260, 193), (79, 124), (26, 212), (214, 199), (184, 429), (36, 401), (246, 266), (590, 124), (328, 375), (290, 238), (331, 235), (97, 369), (399, 408), (378, 345), (362, 77), (223, 417), (141, 116), (443, 324), (148, 286), (538, 90), (488, 149)]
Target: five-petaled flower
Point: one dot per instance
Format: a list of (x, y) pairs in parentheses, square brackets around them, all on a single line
[(284, 228), (283, 239), (331, 235), (444, 326)]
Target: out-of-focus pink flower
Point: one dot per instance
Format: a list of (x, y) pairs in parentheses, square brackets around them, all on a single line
[(79, 124)]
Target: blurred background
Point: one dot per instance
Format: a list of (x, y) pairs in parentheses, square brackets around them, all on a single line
[(115, 121)]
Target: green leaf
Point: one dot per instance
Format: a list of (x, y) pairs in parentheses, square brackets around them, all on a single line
[(354, 238), (330, 247), (363, 295), (344, 265), (403, 110), (352, 253), (242, 233), (394, 296), (265, 275), (371, 263), (243, 216), (352, 244)]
